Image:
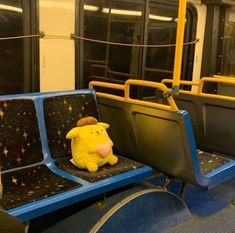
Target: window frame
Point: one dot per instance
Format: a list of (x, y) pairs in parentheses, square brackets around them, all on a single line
[(79, 44)]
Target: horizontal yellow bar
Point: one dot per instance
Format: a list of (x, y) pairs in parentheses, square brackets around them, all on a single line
[(110, 96), (172, 105), (183, 82), (151, 104), (214, 80), (126, 88), (107, 85), (145, 83), (187, 92), (223, 76), (221, 97)]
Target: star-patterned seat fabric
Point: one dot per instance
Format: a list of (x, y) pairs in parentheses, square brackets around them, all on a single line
[(20, 142), (210, 161), (31, 184), (61, 115), (24, 178)]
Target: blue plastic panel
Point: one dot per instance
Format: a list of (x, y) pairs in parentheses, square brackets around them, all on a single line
[(87, 189)]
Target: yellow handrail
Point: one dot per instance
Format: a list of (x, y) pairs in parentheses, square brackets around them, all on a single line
[(223, 76), (179, 43), (215, 80), (114, 86), (107, 85), (172, 105), (183, 82), (126, 88), (200, 84)]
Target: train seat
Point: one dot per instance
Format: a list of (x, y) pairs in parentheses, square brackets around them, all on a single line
[(213, 120), (163, 139), (31, 144), (61, 114), (25, 177)]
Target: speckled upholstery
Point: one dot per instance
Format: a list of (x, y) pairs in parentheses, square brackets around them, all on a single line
[(20, 145)]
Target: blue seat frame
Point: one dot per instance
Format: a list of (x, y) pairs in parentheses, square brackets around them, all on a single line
[(164, 140), (35, 209)]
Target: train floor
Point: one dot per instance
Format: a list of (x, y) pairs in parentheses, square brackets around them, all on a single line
[(212, 211), (204, 203)]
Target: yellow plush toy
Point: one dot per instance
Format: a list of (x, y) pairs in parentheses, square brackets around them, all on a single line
[(91, 145)]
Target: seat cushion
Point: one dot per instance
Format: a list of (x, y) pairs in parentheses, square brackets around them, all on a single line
[(104, 172), (32, 184), (210, 162)]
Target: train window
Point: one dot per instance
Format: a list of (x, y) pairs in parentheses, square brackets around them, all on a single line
[(161, 29), (16, 61), (125, 28), (162, 26), (132, 22), (116, 21), (228, 64)]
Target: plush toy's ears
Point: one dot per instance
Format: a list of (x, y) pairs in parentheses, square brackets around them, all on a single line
[(73, 133), (104, 125)]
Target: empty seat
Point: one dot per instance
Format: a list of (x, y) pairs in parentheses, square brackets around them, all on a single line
[(161, 138)]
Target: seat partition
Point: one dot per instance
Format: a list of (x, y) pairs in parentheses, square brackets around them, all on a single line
[(212, 117), (36, 176), (155, 137), (161, 136), (155, 134), (214, 121)]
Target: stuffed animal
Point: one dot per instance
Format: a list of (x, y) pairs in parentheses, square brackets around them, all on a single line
[(91, 145)]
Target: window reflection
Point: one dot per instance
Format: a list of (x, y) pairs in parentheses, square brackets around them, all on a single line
[(124, 22), (116, 21), (11, 62), (228, 67)]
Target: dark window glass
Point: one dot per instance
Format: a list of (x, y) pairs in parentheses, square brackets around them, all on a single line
[(133, 22), (14, 21), (162, 26), (11, 62), (116, 21), (228, 65)]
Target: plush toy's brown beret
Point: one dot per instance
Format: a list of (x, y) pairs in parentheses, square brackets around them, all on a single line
[(87, 121)]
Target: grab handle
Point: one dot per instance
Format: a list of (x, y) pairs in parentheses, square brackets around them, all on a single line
[(215, 80), (114, 86), (183, 82), (172, 105), (126, 88)]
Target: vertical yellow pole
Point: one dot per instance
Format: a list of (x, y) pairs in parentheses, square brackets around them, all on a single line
[(179, 44)]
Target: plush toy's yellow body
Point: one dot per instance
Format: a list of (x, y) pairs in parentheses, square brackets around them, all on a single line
[(91, 146)]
